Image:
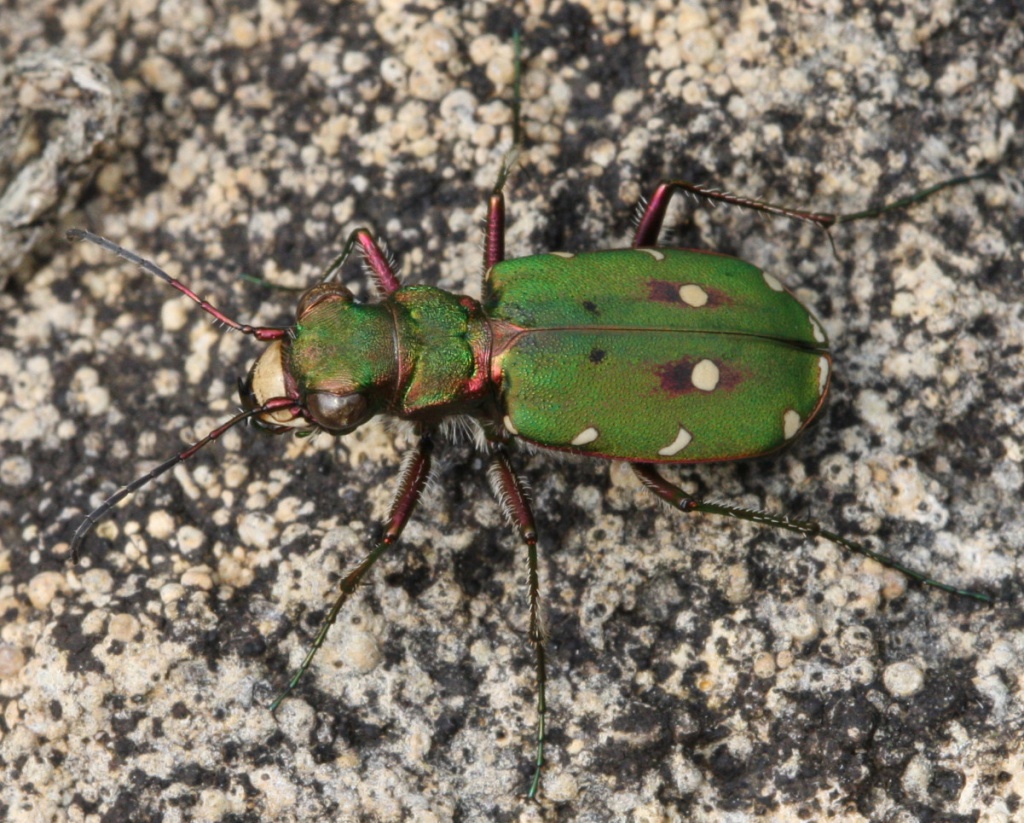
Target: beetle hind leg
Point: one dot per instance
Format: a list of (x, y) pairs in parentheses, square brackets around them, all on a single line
[(649, 225), (509, 491), (678, 499)]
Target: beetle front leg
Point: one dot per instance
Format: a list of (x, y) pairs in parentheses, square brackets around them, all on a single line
[(379, 262), (411, 482), (508, 489), (678, 499)]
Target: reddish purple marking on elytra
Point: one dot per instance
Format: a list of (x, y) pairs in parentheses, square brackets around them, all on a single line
[(677, 376), (662, 291)]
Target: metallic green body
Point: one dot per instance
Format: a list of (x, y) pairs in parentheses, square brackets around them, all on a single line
[(654, 355), (421, 353), (647, 355)]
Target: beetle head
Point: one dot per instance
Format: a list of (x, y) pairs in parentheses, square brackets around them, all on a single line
[(335, 409)]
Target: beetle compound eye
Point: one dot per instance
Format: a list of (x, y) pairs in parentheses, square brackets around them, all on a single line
[(337, 412)]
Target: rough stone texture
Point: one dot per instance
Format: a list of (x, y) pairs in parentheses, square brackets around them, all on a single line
[(59, 115), (699, 669)]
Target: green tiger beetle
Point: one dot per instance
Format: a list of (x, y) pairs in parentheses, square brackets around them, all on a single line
[(729, 364)]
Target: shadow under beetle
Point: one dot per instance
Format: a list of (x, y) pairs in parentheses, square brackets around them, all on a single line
[(715, 359)]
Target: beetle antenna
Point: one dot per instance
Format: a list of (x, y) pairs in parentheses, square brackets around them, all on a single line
[(267, 284), (259, 332), (274, 404)]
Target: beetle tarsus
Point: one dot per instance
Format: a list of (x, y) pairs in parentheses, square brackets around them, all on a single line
[(677, 498), (649, 227)]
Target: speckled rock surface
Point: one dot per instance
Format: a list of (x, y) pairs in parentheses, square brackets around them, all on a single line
[(699, 670), (59, 115)]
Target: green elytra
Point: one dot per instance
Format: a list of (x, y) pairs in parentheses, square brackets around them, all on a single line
[(648, 355), (725, 363)]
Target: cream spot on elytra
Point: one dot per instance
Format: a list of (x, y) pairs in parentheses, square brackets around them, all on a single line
[(705, 375), (693, 295), (657, 255), (681, 442), (791, 423), (823, 369), (819, 335), (773, 284), (588, 435)]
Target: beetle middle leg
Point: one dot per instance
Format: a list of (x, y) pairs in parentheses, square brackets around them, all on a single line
[(494, 237), (411, 482), (678, 499), (508, 489)]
